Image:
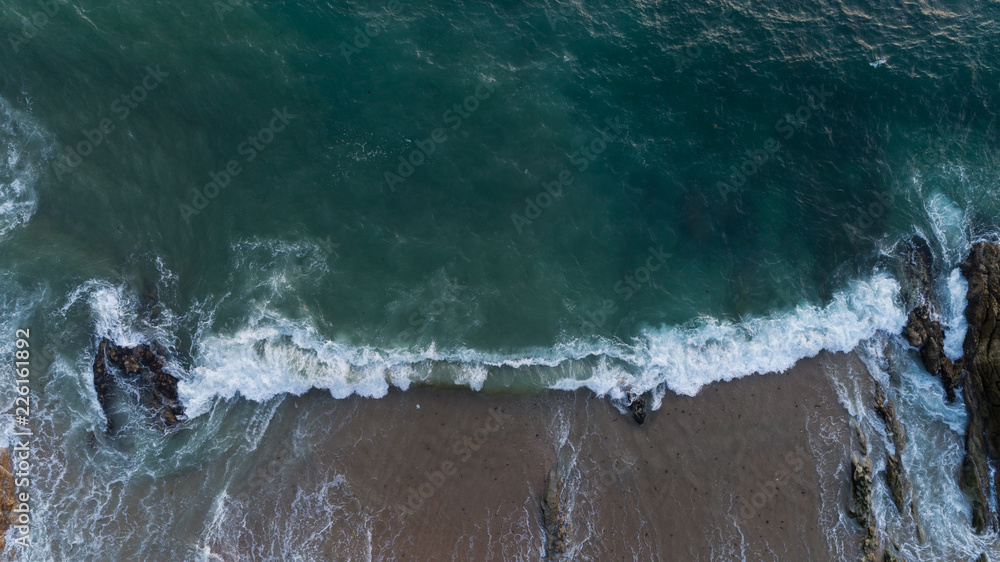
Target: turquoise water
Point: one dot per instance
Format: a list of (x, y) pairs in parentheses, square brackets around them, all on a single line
[(506, 196)]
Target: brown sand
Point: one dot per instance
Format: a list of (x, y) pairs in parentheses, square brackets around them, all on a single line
[(732, 473)]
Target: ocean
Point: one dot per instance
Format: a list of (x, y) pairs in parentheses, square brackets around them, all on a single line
[(508, 197)]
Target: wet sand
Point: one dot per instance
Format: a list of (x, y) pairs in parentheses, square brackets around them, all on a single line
[(754, 468)]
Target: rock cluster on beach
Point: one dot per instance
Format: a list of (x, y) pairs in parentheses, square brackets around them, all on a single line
[(895, 473), (860, 508), (637, 405), (553, 515), (141, 367)]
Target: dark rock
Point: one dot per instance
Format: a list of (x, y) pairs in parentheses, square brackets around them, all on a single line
[(927, 335), (861, 497), (895, 473), (981, 382), (923, 330), (637, 405), (141, 367), (918, 272), (553, 516), (898, 483), (103, 381), (860, 507), (887, 412), (860, 435), (892, 554)]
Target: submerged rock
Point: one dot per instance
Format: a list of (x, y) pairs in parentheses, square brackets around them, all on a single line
[(981, 382), (142, 367), (553, 515)]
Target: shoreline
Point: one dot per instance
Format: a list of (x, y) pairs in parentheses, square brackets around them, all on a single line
[(431, 474)]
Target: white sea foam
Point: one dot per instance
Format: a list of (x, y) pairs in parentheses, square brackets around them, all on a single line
[(954, 320), (685, 358), (277, 355), (23, 145), (950, 227)]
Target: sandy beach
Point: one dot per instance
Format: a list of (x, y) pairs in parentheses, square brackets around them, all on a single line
[(753, 468)]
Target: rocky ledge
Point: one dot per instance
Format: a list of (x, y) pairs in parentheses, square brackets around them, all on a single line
[(976, 374), (554, 515), (981, 382), (142, 368)]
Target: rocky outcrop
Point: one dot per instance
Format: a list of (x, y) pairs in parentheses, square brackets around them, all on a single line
[(553, 515), (927, 335), (860, 508), (895, 474), (923, 330), (142, 368), (887, 412), (899, 486), (892, 554), (637, 405), (917, 275), (981, 382), (8, 501)]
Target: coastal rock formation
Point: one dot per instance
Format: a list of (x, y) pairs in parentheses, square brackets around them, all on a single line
[(923, 330), (553, 516), (917, 275), (927, 335), (892, 554), (861, 504), (637, 405), (141, 367), (899, 486), (7, 498), (887, 412), (982, 382), (895, 474)]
